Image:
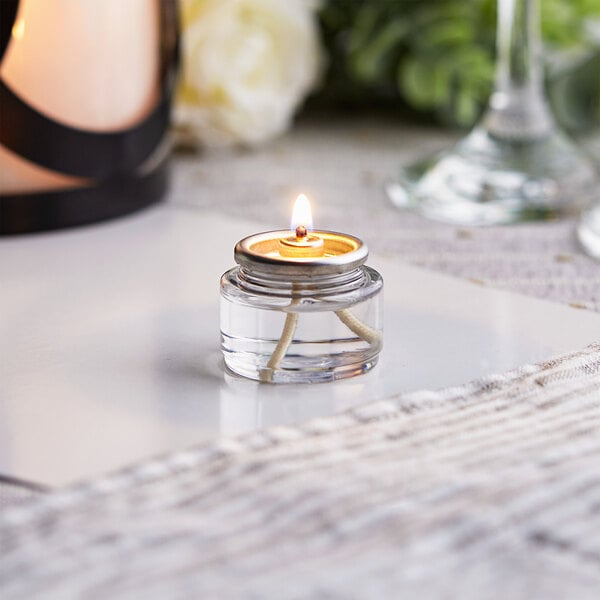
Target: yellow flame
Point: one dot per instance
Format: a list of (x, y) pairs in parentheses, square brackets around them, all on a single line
[(18, 29), (302, 214)]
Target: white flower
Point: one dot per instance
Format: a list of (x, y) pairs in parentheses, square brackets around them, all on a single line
[(247, 66)]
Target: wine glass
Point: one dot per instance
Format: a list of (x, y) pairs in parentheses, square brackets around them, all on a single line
[(516, 164), (588, 231)]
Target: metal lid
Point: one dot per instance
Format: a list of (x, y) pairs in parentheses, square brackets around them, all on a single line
[(342, 253)]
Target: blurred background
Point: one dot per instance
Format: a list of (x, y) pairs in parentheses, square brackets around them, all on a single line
[(436, 57), (432, 60)]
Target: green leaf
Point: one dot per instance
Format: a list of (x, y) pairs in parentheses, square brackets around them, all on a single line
[(371, 62), (363, 27), (423, 84), (449, 33), (466, 109)]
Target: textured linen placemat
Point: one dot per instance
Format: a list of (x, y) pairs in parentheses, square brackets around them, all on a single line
[(12, 492), (488, 490)]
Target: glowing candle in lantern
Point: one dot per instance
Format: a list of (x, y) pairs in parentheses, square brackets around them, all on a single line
[(84, 108)]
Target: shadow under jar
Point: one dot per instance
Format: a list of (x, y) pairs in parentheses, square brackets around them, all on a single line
[(301, 320)]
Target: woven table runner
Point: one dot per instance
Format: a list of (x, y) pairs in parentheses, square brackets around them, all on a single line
[(14, 491), (488, 490)]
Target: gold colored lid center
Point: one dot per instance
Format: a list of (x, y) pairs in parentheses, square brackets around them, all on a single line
[(302, 245)]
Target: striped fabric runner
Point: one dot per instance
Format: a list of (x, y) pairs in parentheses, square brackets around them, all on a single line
[(488, 490)]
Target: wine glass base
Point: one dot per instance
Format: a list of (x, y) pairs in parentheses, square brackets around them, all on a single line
[(588, 231), (485, 180)]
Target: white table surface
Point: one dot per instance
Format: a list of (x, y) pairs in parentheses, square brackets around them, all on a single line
[(109, 343)]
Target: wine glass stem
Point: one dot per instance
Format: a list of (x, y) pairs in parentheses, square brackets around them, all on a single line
[(518, 110)]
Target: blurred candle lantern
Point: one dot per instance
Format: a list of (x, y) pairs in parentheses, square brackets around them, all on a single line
[(85, 90)]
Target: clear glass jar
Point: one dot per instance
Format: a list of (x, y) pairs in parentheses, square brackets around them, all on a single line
[(289, 322)]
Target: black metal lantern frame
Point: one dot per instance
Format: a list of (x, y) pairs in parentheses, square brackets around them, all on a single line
[(127, 169)]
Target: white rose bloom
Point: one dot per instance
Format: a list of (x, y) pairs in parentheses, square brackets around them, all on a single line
[(247, 66)]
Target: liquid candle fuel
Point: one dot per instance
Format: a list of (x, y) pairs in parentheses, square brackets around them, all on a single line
[(301, 306)]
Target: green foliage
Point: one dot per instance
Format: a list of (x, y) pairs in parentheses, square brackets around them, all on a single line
[(437, 56)]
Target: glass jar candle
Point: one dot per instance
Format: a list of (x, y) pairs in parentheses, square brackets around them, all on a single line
[(301, 308)]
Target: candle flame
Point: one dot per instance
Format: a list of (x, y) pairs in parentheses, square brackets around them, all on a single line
[(302, 214)]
